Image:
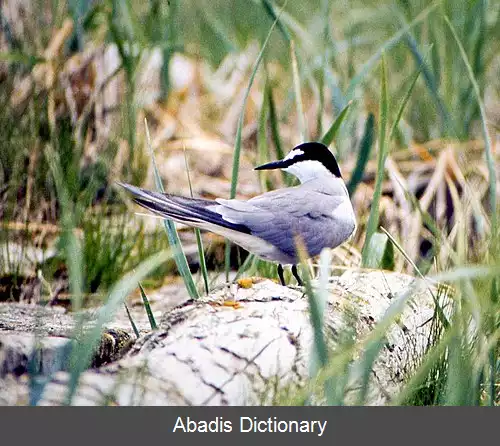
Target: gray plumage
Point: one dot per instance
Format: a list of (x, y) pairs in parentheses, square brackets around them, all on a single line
[(318, 211), (307, 211)]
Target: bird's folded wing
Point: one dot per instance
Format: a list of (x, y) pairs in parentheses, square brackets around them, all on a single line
[(277, 218), (191, 211)]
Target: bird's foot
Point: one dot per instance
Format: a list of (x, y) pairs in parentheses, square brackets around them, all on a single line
[(296, 275), (280, 274)]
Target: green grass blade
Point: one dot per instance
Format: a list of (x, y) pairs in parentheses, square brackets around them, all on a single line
[(432, 86), (344, 357), (430, 223), (301, 121), (402, 251), (269, 8), (81, 356), (335, 127), (403, 104), (132, 323), (273, 119), (458, 385), (173, 237), (367, 67), (317, 304), (442, 317), (262, 146), (239, 129), (18, 57), (69, 242), (237, 147), (380, 253), (38, 379), (487, 141), (203, 262), (77, 9), (325, 261), (246, 265), (325, 11), (364, 155), (199, 241), (147, 307), (321, 105), (373, 219), (320, 351), (122, 34), (493, 356), (468, 272), (275, 133), (418, 377), (366, 365), (170, 35)]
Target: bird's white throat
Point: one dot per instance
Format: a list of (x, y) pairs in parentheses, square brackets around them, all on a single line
[(308, 170)]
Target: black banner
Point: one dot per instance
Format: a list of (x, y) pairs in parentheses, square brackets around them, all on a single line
[(248, 425)]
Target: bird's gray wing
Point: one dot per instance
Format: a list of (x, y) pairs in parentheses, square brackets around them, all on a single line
[(277, 217), (192, 211)]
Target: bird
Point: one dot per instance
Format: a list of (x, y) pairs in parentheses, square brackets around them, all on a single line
[(318, 210)]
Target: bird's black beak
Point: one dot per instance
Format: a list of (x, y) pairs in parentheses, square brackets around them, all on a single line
[(270, 166)]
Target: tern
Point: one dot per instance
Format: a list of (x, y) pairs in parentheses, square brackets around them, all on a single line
[(318, 210)]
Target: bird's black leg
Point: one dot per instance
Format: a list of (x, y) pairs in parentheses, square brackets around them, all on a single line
[(280, 274), (296, 275)]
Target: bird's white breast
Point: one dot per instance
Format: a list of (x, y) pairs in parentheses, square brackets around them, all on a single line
[(345, 218)]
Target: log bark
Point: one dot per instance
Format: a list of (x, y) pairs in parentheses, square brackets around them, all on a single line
[(257, 351)]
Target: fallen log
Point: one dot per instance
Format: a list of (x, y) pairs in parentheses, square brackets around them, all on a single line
[(255, 351)]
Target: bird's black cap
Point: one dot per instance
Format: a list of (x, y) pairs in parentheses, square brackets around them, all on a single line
[(308, 151)]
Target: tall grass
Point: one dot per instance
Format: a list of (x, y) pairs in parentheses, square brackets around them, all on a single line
[(382, 156), (199, 242), (437, 63), (484, 125), (173, 236), (81, 354), (237, 144)]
